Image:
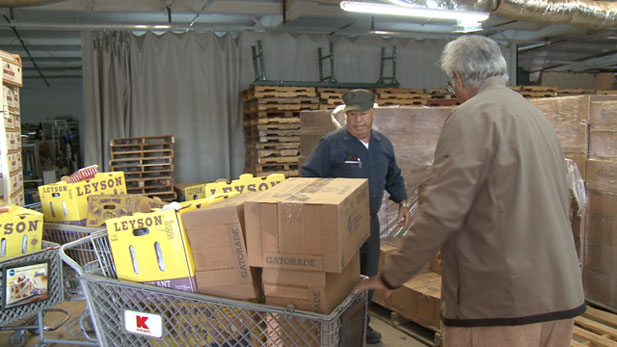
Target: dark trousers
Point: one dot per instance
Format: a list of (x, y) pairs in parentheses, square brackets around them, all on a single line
[(369, 254)]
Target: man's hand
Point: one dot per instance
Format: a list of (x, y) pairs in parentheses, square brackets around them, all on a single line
[(374, 282), (404, 217)]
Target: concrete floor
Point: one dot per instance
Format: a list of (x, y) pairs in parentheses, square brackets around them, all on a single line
[(391, 336)]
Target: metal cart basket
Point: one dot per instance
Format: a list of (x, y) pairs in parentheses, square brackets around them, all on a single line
[(131, 314), (20, 316)]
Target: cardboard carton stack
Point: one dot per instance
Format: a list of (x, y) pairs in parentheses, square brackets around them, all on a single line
[(600, 244), (246, 183), (147, 163), (272, 127), (306, 234), (11, 176)]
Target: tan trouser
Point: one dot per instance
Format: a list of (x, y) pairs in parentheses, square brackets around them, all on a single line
[(556, 333)]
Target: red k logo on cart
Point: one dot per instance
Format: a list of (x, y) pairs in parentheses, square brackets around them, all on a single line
[(141, 322)]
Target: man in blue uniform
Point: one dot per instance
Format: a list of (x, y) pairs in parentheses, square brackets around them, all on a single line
[(358, 151)]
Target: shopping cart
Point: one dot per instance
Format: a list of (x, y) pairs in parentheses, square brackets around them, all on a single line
[(131, 314), (37, 287)]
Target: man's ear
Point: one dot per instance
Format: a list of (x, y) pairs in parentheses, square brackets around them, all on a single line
[(458, 79)]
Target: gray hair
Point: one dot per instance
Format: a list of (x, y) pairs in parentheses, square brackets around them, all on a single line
[(475, 58)]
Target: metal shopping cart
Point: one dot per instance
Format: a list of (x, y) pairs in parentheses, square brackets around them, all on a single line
[(31, 285), (131, 314)]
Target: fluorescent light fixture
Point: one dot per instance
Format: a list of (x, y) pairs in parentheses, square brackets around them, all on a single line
[(411, 11)]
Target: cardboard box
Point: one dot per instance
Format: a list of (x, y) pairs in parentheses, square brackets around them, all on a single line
[(602, 143), (315, 224), (600, 256), (15, 183), (17, 198), (11, 96), (11, 69), (68, 202), (216, 233), (152, 248), (419, 300), (14, 161), (313, 291), (570, 116), (181, 190), (13, 140), (603, 113), (601, 175), (104, 207), (22, 231), (245, 183)]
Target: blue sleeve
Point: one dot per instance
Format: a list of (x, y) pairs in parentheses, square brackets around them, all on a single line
[(395, 183), (318, 163)]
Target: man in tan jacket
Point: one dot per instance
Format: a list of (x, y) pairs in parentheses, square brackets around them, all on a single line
[(498, 208)]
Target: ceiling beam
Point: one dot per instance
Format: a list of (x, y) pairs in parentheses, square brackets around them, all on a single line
[(297, 9)]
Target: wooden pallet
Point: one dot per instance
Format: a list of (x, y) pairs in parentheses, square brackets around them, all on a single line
[(284, 101), (264, 168), (539, 89), (436, 91), (562, 92), (276, 126), (143, 140), (148, 174), (403, 102), (162, 181), (253, 114), (605, 92), (339, 91), (142, 168), (442, 96), (273, 135), (271, 146), (271, 153), (275, 139), (277, 92), (537, 94), (398, 93), (273, 120), (595, 328), (281, 107), (444, 103), (326, 107), (142, 154), (253, 162)]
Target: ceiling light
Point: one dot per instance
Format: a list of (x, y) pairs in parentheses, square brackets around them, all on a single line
[(411, 11)]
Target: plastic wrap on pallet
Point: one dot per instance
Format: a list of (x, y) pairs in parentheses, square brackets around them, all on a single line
[(577, 186)]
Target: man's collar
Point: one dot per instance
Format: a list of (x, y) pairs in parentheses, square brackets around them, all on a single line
[(347, 136)]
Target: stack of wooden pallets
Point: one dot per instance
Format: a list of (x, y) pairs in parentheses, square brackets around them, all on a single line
[(147, 163), (595, 328), (401, 96), (272, 127), (565, 92), (329, 98)]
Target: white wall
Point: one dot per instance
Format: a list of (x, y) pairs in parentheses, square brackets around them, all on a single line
[(64, 96)]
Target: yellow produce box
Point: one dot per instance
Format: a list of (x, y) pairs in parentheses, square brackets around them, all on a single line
[(152, 248), (68, 202), (244, 184), (22, 231)]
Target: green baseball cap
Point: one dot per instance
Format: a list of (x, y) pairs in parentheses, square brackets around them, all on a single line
[(358, 100)]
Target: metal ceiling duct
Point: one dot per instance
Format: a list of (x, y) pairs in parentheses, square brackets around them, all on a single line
[(581, 13), (25, 3)]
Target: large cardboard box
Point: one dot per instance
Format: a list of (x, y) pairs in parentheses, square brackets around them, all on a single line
[(68, 202), (22, 231), (104, 207), (11, 68), (315, 224), (600, 259), (603, 142), (313, 291), (245, 183), (601, 175), (216, 235), (419, 300), (570, 116)]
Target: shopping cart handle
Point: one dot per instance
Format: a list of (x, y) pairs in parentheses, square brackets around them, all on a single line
[(74, 244)]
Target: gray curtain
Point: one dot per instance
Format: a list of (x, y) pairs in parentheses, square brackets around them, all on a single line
[(186, 85)]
